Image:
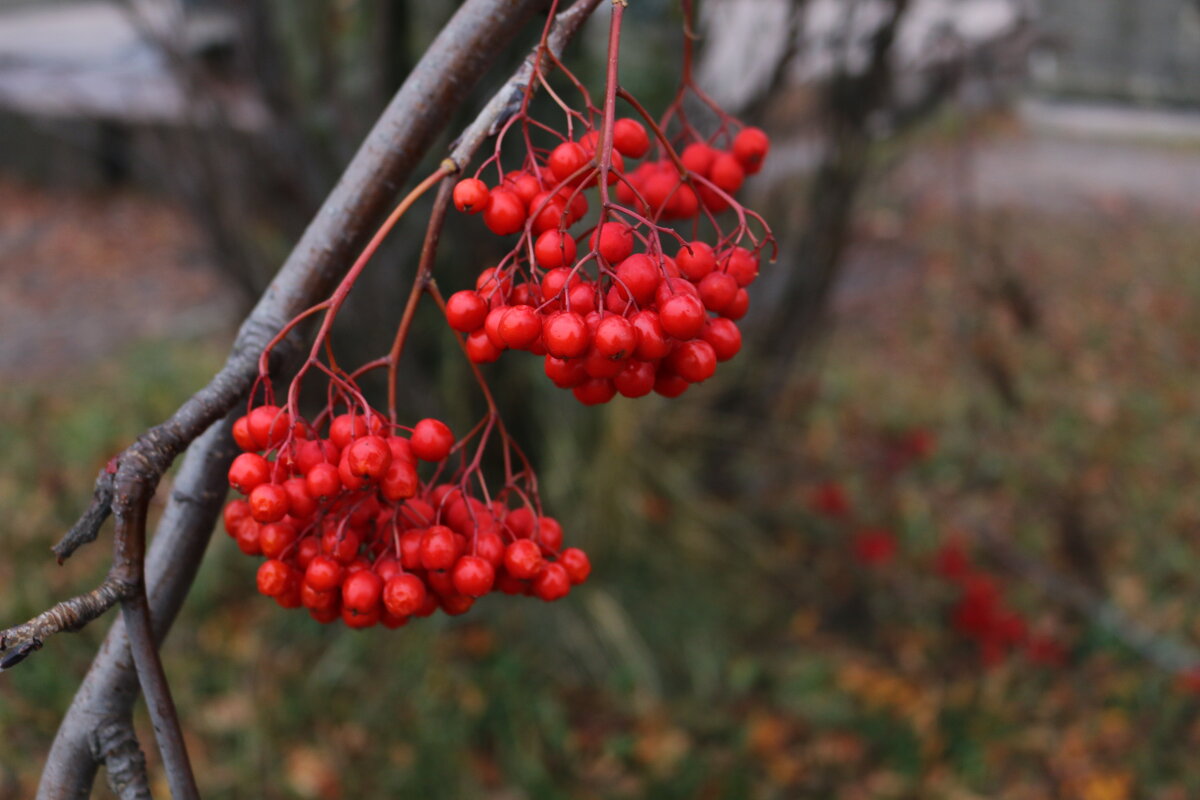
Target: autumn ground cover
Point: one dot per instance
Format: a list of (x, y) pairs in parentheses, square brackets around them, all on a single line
[(1016, 383)]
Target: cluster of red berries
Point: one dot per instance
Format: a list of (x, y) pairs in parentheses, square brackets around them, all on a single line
[(624, 317), (351, 532), (981, 615)]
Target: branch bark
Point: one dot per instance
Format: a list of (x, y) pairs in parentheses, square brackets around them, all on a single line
[(453, 64)]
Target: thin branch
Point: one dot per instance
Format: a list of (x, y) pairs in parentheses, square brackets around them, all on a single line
[(88, 527)]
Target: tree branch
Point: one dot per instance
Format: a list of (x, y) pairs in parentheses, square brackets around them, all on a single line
[(453, 63)]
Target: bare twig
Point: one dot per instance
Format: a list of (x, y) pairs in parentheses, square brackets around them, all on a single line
[(88, 527), (459, 56)]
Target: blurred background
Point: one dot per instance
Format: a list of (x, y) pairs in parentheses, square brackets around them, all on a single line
[(933, 534)]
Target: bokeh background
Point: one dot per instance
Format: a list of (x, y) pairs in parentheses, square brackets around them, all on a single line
[(934, 534)]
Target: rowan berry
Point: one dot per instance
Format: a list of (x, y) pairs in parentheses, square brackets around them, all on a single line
[(554, 249), (565, 334), (523, 559), (404, 594), (577, 565), (248, 471), (324, 573), (750, 148), (471, 195), (505, 213), (630, 138), (682, 316), (431, 440), (552, 583), (473, 576), (268, 502), (465, 311)]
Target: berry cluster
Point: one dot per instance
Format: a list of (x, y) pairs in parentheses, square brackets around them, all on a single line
[(624, 316), (980, 613), (351, 532)]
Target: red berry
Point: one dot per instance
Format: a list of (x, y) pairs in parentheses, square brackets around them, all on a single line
[(490, 547), (465, 310), (742, 265), (682, 316), (565, 373), (247, 537), (738, 306), (480, 348), (565, 334), (323, 482), (639, 275), (323, 573), (614, 241), (241, 435), (698, 157), (345, 428), (523, 185), (272, 577), (491, 325), (636, 378), (727, 173), (369, 457), (549, 212), (523, 559), (615, 338), (400, 482), (362, 591), (630, 138), (268, 426), (724, 336), (670, 385), (554, 249), (248, 471), (567, 159), (750, 147), (275, 538), (694, 361), (358, 620), (471, 195), (311, 452), (439, 548), (595, 391), (404, 594), (652, 340), (519, 327), (473, 576), (431, 440), (717, 290), (552, 583), (268, 502), (577, 565), (696, 259), (234, 514), (550, 533), (505, 213)]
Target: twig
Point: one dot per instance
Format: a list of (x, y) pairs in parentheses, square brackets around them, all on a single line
[(88, 527)]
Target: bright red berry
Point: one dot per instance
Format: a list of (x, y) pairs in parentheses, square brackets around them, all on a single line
[(630, 138), (248, 471), (431, 440), (577, 564), (324, 573), (523, 559), (552, 583), (473, 576), (750, 148), (565, 334), (505, 213), (404, 594), (519, 327), (272, 577), (554, 249), (362, 591), (471, 195), (682, 316), (466, 310), (439, 548), (268, 502), (724, 336)]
